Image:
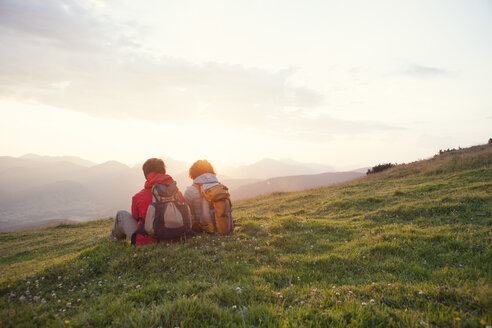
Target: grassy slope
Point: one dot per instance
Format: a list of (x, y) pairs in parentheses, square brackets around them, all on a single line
[(415, 239)]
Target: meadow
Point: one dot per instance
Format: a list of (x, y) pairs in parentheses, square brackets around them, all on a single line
[(407, 247)]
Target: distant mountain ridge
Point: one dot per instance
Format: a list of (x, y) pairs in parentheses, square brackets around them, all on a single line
[(270, 168), (71, 159), (37, 189), (293, 183)]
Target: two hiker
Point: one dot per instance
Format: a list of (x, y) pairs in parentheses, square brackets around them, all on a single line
[(159, 211)]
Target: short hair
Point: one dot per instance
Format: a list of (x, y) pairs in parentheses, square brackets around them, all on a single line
[(154, 165), (200, 167)]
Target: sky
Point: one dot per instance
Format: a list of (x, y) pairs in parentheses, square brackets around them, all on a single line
[(346, 83)]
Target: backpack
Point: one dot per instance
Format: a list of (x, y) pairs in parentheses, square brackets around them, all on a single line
[(217, 202), (167, 216)]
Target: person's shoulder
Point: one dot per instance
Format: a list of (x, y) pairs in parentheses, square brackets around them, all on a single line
[(140, 194)]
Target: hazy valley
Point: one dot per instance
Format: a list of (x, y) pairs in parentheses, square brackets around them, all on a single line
[(41, 190)]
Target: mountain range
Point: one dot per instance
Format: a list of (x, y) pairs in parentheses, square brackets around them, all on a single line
[(38, 190)]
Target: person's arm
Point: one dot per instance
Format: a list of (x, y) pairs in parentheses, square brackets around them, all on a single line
[(189, 194), (135, 213)]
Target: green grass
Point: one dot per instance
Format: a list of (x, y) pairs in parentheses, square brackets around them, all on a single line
[(408, 247)]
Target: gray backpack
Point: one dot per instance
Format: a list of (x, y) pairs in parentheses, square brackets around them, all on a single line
[(167, 216)]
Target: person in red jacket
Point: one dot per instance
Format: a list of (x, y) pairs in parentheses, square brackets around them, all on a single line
[(126, 224)]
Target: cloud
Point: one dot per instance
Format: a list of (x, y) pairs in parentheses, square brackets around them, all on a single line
[(65, 54), (425, 71), (50, 44)]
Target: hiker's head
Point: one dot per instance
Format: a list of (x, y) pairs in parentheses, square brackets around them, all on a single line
[(154, 165), (200, 167)]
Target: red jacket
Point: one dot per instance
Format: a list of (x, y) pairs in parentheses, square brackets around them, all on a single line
[(142, 200)]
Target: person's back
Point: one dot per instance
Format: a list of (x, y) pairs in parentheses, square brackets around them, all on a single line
[(205, 210), (126, 224)]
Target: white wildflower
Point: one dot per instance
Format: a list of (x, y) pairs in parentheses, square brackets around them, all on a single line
[(372, 301), (234, 307), (238, 290), (22, 298), (364, 303), (138, 287), (69, 305)]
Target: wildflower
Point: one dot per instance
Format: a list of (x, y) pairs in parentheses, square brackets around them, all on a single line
[(457, 319), (482, 322), (420, 292), (135, 255), (138, 287), (364, 303), (257, 249), (67, 322), (22, 298), (333, 287), (238, 290), (69, 305), (337, 294), (372, 301), (234, 307), (84, 291), (350, 293), (43, 301), (78, 300)]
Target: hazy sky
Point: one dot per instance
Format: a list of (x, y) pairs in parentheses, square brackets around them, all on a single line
[(348, 83)]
